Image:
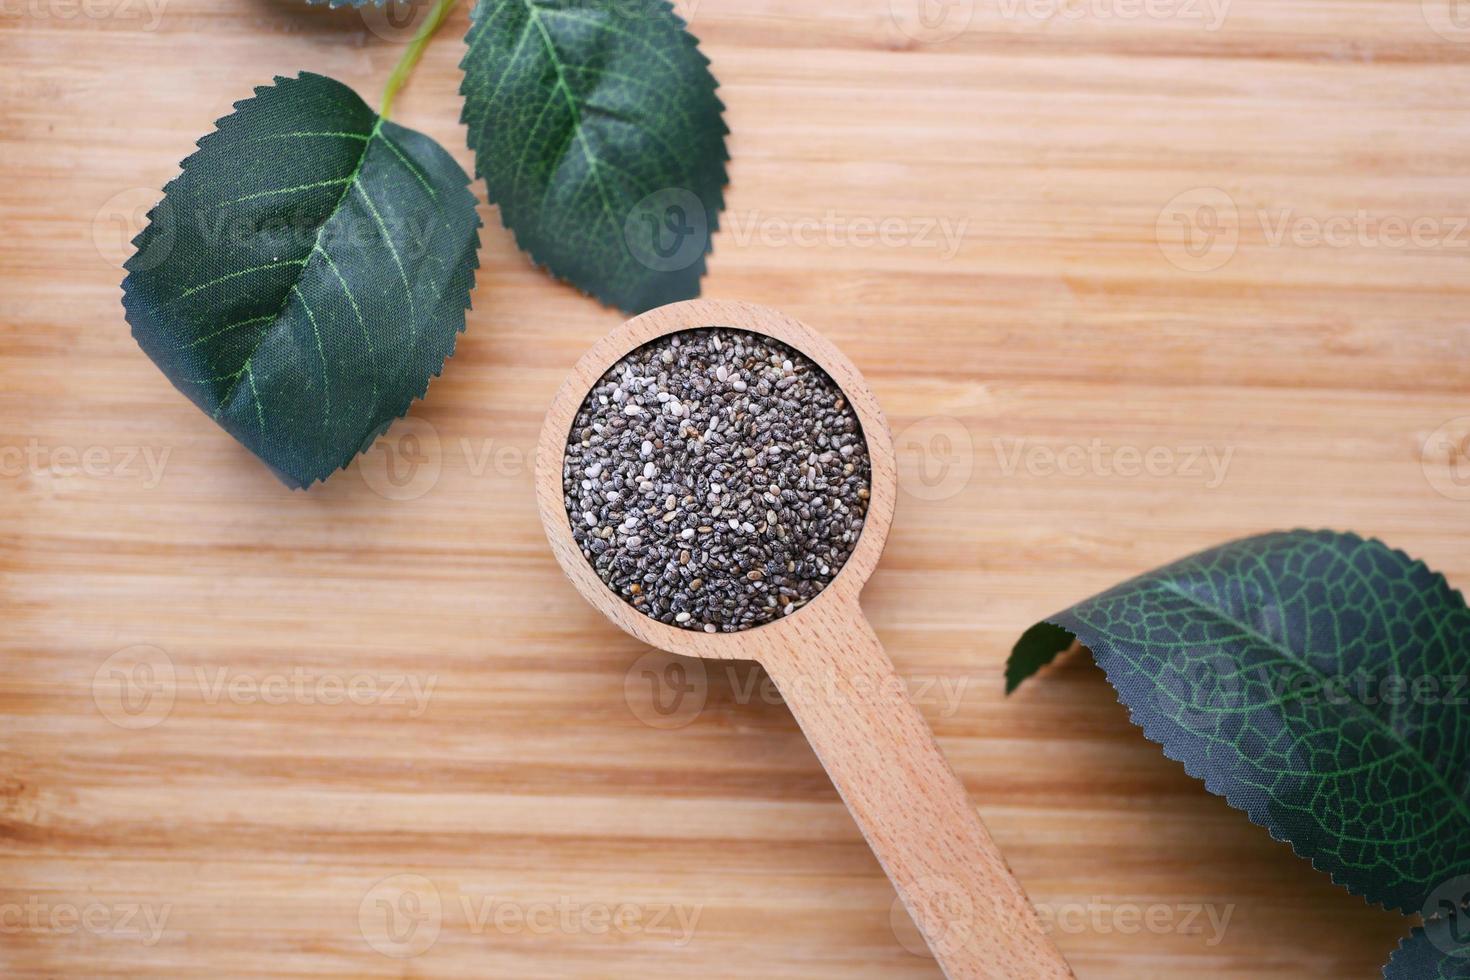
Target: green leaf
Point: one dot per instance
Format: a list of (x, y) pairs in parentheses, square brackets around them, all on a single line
[(306, 275), (1317, 681), (599, 135), (1430, 955), (1036, 648)]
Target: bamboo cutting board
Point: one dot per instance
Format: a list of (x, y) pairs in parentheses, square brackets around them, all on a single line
[(1128, 280)]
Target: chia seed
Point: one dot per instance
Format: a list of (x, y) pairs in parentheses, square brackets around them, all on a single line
[(716, 479)]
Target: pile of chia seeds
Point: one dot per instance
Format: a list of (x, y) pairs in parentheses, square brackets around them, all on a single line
[(716, 479)]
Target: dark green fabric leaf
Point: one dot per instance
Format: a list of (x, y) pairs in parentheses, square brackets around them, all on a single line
[(598, 132), (306, 275), (1426, 956), (1036, 648), (1317, 681)]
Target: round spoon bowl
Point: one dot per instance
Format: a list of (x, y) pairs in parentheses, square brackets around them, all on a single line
[(839, 594)]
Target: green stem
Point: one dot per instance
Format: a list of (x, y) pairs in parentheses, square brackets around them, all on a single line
[(410, 58)]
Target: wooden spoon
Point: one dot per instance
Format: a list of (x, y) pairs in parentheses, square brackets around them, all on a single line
[(835, 677)]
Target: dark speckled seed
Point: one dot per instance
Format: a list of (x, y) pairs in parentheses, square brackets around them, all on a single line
[(716, 479)]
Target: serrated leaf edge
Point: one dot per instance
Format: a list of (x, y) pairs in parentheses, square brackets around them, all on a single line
[(1205, 779), (1403, 944), (459, 328), (602, 296)]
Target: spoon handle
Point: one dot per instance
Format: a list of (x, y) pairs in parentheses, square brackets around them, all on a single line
[(913, 810)]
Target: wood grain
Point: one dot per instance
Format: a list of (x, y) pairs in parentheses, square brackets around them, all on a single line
[(832, 672), (539, 776)]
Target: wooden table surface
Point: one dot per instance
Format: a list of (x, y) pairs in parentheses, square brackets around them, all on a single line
[(382, 736)]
